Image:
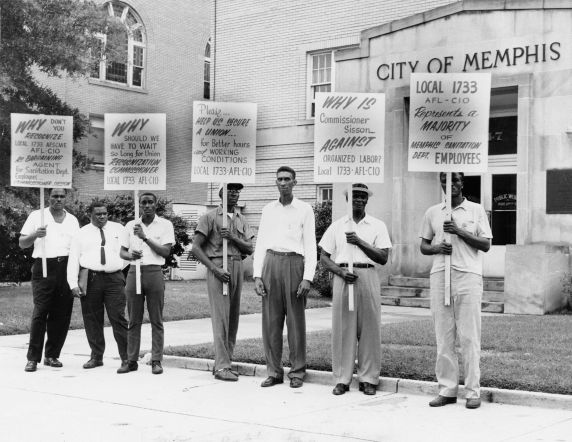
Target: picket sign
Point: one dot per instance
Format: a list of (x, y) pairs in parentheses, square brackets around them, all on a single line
[(138, 242), (351, 247), (448, 215), (224, 240)]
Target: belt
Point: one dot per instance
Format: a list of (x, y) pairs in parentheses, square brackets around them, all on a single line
[(234, 258), (102, 272), (358, 265), (56, 259), (274, 252)]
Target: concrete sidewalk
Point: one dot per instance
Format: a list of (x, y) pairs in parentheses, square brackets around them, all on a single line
[(72, 404)]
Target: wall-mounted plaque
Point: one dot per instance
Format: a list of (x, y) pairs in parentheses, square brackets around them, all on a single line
[(559, 191)]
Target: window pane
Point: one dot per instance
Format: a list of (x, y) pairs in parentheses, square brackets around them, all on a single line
[(502, 135), (207, 71), (138, 56), (137, 35), (137, 76), (208, 50), (130, 20), (504, 209), (315, 62), (95, 144), (207, 91), (118, 10), (116, 72)]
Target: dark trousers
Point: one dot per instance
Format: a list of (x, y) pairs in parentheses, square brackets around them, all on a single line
[(282, 276), (105, 290), (152, 290), (53, 305), (225, 311)]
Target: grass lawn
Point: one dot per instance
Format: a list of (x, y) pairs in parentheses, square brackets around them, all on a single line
[(183, 300), (519, 353)]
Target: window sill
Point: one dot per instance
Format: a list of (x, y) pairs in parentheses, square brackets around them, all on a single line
[(123, 87)]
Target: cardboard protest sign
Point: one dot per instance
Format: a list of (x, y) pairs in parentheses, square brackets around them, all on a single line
[(448, 123), (135, 152), (349, 137), (224, 142), (42, 147)]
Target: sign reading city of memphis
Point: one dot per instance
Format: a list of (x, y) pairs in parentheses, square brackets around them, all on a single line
[(349, 137), (135, 152), (449, 122), (42, 147), (224, 142)]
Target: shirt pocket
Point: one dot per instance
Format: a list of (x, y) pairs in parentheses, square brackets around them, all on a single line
[(470, 226)]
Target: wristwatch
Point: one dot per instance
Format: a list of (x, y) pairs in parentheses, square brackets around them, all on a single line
[(145, 239)]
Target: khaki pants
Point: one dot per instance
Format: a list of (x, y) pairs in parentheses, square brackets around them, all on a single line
[(460, 321), (225, 311), (359, 330)]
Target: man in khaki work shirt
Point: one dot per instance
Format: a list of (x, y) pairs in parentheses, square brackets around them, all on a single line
[(208, 249)]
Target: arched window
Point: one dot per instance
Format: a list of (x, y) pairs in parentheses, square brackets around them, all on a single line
[(207, 71), (125, 62)]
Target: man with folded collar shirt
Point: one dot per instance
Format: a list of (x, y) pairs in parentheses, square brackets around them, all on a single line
[(97, 248), (365, 239), (208, 249), (53, 301), (148, 239), (284, 265)]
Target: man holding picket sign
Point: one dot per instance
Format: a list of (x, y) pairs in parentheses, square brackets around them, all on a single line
[(349, 146), (448, 133), (135, 158), (48, 140), (208, 249)]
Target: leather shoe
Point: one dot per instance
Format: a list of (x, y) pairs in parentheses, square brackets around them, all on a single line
[(127, 366), (296, 382), (53, 362), (367, 388), (31, 366), (473, 402), (272, 380), (225, 374), (440, 401), (340, 389), (92, 363), (156, 367)]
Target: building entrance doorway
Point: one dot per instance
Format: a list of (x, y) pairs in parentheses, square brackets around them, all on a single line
[(496, 190)]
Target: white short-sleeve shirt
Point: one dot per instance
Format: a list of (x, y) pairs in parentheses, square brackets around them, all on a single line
[(58, 235), (160, 231), (370, 229)]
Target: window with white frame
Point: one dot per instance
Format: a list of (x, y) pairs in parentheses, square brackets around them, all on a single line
[(320, 76), (207, 72), (95, 140), (325, 193), (125, 62)]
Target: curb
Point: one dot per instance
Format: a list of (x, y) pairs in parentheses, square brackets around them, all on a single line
[(391, 385)]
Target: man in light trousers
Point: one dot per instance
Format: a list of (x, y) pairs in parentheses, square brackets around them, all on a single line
[(470, 235)]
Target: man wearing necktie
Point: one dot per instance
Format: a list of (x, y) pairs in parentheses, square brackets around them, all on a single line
[(97, 248)]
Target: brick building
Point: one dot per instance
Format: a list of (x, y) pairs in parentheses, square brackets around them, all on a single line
[(289, 50), (166, 49)]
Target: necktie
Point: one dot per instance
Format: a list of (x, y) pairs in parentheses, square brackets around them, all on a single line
[(102, 246)]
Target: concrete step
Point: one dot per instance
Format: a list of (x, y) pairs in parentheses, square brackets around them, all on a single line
[(416, 292), (489, 284), (486, 306)]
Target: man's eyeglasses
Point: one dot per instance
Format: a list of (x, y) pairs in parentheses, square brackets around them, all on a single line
[(234, 191)]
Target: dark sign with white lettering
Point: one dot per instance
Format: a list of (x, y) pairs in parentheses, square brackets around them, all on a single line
[(558, 191)]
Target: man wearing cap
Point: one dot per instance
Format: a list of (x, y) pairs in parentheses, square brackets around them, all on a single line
[(208, 249), (364, 239), (470, 235), (96, 248), (53, 301), (284, 264), (148, 239)]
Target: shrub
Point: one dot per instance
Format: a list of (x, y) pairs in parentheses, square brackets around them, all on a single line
[(322, 278)]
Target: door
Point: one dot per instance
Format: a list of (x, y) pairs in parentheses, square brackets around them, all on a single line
[(496, 189)]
